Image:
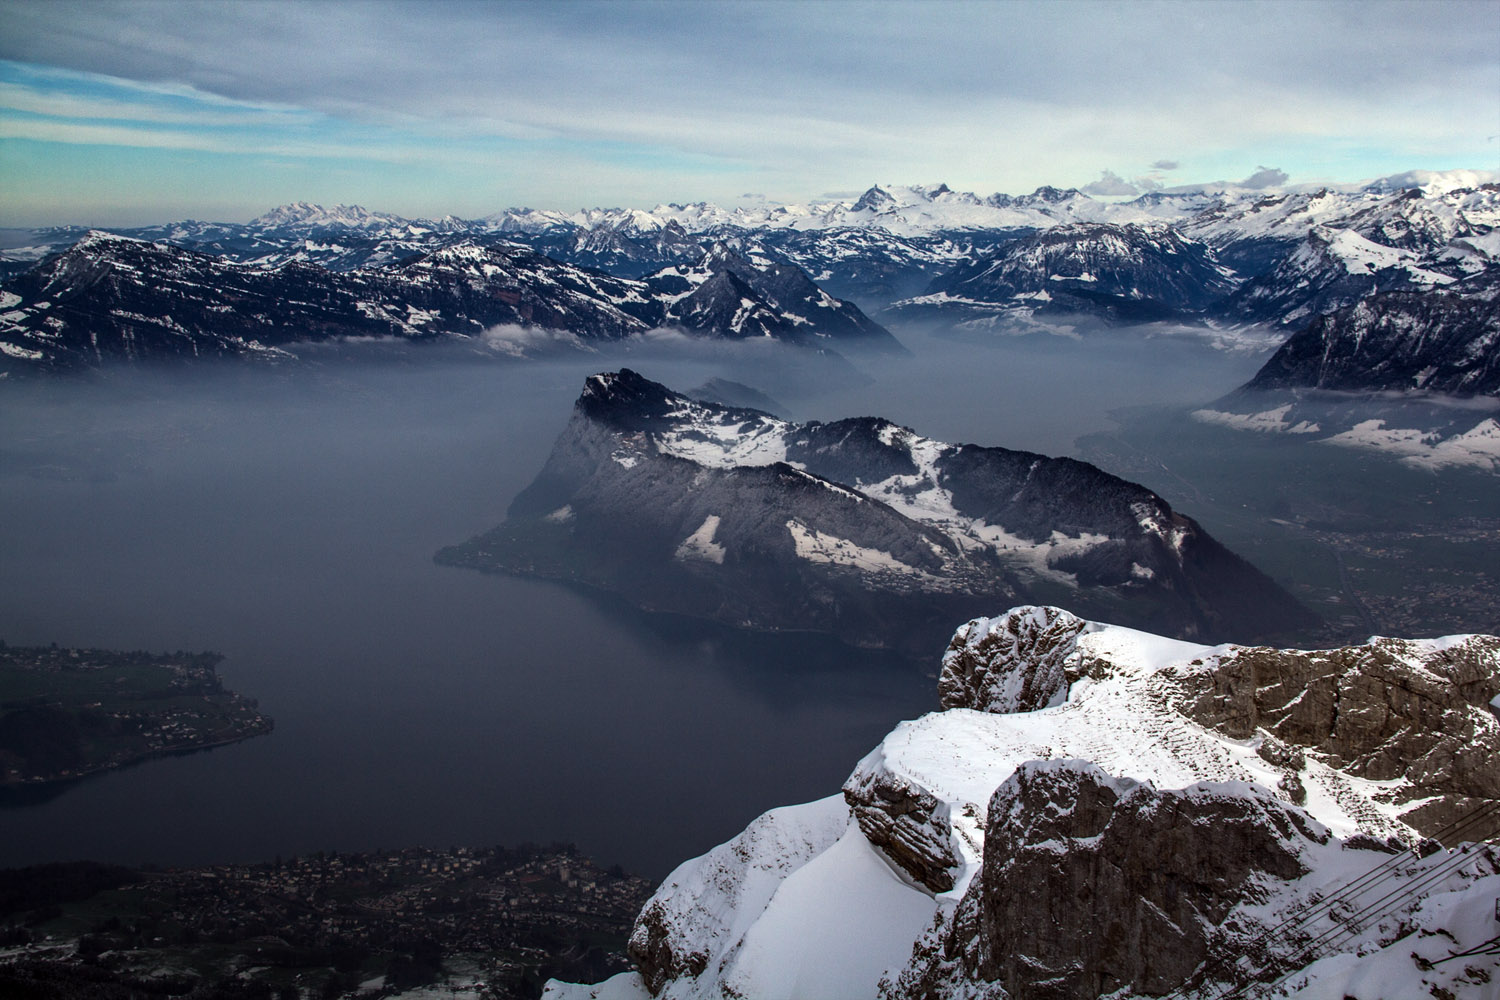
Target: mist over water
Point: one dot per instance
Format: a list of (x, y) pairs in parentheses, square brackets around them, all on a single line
[(287, 518), (1036, 392)]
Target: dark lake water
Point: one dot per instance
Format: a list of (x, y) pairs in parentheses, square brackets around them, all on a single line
[(290, 522)]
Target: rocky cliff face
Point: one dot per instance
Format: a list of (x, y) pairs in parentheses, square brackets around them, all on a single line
[(1100, 886), (1104, 812), (856, 527), (1415, 713), (1020, 662), (1093, 885), (1391, 710)]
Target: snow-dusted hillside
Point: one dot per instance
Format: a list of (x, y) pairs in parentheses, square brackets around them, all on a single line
[(1446, 339), (1103, 811), (1414, 374), (1328, 270)]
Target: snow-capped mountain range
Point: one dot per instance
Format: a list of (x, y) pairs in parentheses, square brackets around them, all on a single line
[(1222, 257), (1101, 811), (1223, 216), (1278, 260), (859, 527)]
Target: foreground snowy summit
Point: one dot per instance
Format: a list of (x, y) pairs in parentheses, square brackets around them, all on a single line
[(1101, 811)]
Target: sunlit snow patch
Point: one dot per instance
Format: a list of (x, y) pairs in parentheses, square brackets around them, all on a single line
[(701, 545), (1268, 421), (815, 546), (1479, 446)]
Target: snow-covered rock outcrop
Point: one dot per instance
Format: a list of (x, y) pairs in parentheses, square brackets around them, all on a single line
[(1104, 811)]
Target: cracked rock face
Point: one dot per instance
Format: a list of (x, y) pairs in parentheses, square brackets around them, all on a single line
[(1092, 884), (1389, 709), (906, 822)]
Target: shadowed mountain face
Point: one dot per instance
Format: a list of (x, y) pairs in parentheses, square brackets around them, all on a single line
[(858, 527), (1442, 341), (1122, 274), (731, 294)]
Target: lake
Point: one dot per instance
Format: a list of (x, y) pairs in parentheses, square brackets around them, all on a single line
[(288, 519)]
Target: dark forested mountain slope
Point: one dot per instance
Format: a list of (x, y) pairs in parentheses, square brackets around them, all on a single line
[(112, 298)]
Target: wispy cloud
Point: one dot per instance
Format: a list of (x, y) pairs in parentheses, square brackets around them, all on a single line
[(1110, 185), (1265, 177)]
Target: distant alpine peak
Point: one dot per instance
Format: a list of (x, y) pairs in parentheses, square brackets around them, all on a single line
[(607, 385), (302, 213), (1053, 195), (627, 399), (726, 254), (98, 238), (873, 200)]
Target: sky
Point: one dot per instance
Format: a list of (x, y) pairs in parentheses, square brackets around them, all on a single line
[(121, 113)]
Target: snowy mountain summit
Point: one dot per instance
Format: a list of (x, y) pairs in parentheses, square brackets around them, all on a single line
[(302, 214), (1101, 811)]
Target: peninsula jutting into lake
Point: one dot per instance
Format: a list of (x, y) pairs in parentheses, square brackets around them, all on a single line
[(66, 713)]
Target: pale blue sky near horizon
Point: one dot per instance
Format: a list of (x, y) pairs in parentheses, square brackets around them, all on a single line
[(121, 113)]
